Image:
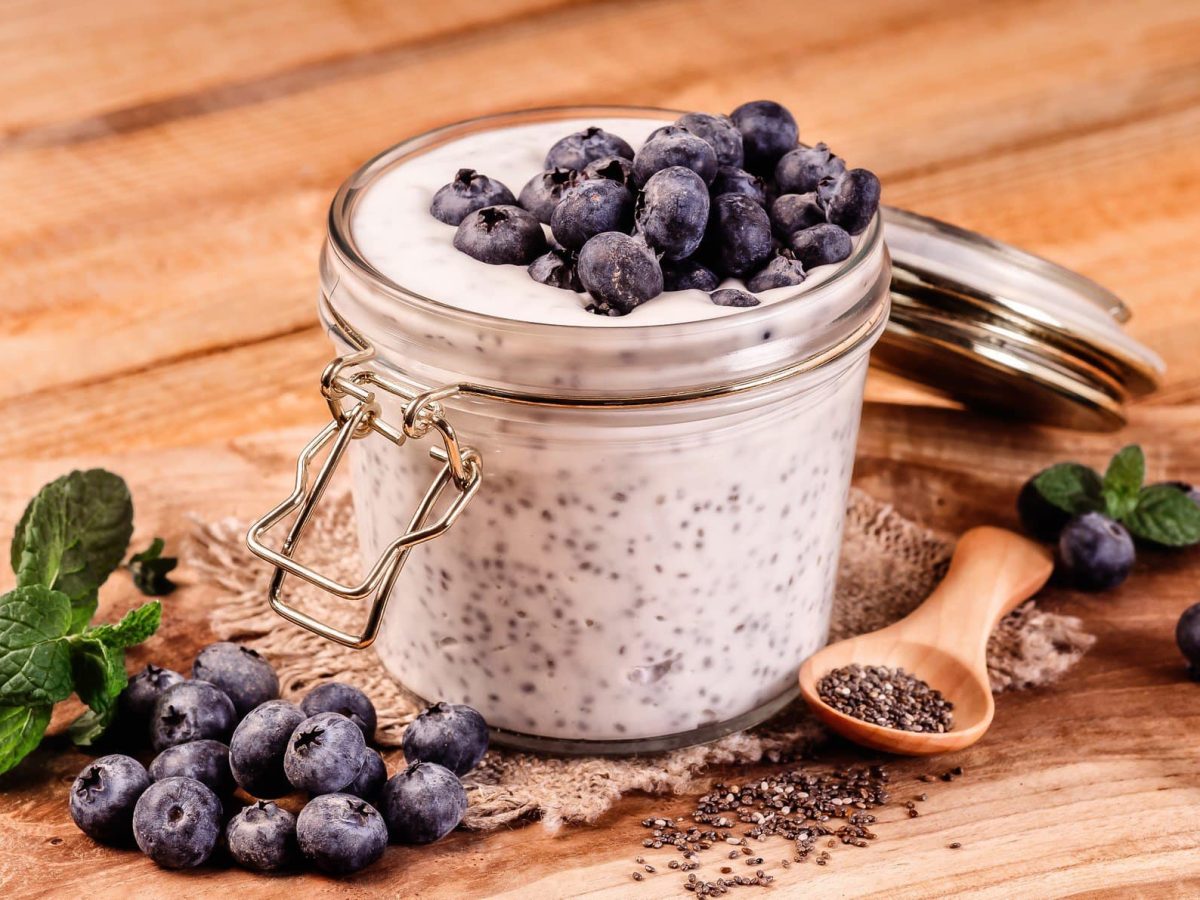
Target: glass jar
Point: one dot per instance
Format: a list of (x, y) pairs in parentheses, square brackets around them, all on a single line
[(652, 547)]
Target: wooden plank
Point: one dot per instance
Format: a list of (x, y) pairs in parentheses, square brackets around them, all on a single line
[(1085, 786), (173, 233), (80, 81)]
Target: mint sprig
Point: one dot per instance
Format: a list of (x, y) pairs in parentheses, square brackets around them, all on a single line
[(1160, 513), (150, 569), (71, 537)]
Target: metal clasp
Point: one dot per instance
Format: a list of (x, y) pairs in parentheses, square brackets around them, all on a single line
[(423, 413)]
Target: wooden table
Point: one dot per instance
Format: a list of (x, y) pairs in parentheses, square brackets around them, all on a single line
[(165, 170)]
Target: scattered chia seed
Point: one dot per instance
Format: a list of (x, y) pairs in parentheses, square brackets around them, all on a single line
[(891, 698), (812, 810)]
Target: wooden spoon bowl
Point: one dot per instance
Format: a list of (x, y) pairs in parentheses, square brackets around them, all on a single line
[(943, 642)]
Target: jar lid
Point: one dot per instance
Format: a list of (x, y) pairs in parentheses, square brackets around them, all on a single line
[(999, 328)]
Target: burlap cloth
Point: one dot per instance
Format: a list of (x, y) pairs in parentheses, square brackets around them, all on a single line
[(888, 565)]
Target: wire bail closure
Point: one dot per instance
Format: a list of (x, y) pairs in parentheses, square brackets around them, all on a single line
[(461, 469)]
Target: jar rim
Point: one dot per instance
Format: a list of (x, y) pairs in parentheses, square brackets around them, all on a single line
[(341, 240)]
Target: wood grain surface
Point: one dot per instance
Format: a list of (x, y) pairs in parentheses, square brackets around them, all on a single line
[(165, 170)]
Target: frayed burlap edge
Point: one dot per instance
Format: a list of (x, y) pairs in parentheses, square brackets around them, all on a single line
[(888, 566)]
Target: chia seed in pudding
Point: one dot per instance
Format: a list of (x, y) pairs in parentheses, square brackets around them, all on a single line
[(624, 574)]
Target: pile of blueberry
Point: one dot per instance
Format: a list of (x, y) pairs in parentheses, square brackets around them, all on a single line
[(707, 198), (225, 729)]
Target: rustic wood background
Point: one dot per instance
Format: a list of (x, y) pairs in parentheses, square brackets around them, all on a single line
[(164, 174)]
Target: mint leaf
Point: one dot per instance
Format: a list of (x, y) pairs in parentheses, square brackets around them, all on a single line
[(73, 535), (1166, 515), (35, 656), (136, 626), (90, 726), (1072, 487), (82, 611), (1122, 481), (149, 569), (99, 671), (21, 730)]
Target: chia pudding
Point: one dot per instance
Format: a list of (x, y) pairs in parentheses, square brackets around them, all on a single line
[(630, 576)]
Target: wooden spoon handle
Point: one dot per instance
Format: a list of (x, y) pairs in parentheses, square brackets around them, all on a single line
[(991, 573)]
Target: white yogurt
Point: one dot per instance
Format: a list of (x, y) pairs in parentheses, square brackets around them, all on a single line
[(653, 576), (395, 232)]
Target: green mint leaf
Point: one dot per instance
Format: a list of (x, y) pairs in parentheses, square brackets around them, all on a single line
[(74, 534), (136, 626), (21, 730), (1122, 481), (88, 728), (149, 569), (82, 610), (35, 655), (99, 671), (1165, 515), (1072, 487)]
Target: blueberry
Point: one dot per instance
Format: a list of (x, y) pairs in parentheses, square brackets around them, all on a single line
[(851, 200), (614, 168), (738, 181), (619, 272), (262, 837), (820, 245), (689, 275), (324, 753), (177, 822), (1039, 516), (501, 236), (207, 761), (799, 171), (1187, 636), (372, 776), (341, 833), (258, 745), (795, 212), (449, 734), (423, 803), (136, 703), (672, 212), (591, 208), (339, 697), (103, 797), (468, 192), (674, 146), (191, 711), (543, 191), (768, 131), (738, 238), (1094, 552), (781, 271), (576, 150), (557, 268), (721, 134), (733, 297), (243, 674)]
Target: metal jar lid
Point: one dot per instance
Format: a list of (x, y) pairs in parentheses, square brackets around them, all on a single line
[(1001, 329)]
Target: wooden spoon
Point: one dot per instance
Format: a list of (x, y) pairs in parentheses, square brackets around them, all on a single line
[(943, 641)]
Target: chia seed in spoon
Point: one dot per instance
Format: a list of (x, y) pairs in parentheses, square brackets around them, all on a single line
[(890, 698)]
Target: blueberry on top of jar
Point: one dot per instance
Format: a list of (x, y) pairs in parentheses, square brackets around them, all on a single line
[(577, 150), (543, 191), (768, 131), (468, 192), (501, 235), (673, 145), (720, 132)]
